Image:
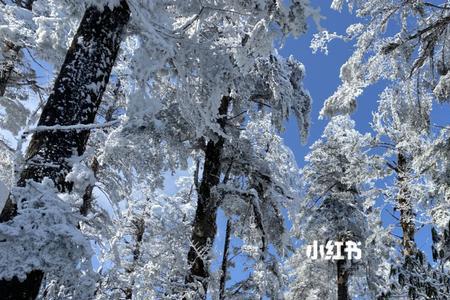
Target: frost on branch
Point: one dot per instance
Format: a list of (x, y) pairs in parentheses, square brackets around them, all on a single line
[(398, 41), (279, 82), (338, 204), (44, 236), (442, 89), (16, 25), (263, 182), (81, 176), (145, 257)]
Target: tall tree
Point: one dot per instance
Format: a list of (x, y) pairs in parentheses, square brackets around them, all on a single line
[(204, 227), (75, 99), (405, 43), (189, 93), (223, 157), (339, 205), (403, 119)]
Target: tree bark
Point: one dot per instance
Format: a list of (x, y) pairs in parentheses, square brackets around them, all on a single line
[(342, 280), (75, 99), (7, 67), (87, 196), (405, 207), (27, 4), (224, 267), (204, 226)]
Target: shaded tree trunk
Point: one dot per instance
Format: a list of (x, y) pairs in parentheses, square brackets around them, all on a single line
[(204, 226), (7, 66), (342, 280), (27, 4), (404, 205), (87, 196), (224, 267), (75, 99)]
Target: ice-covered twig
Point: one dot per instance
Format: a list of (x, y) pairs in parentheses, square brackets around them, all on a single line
[(72, 127)]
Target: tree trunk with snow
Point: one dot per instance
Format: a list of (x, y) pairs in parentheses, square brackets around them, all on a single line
[(7, 67), (204, 227), (74, 100), (27, 4), (404, 205)]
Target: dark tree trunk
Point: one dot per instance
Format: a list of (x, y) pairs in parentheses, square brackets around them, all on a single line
[(223, 277), (404, 205), (27, 4), (7, 66), (75, 99), (204, 227), (342, 280), (87, 196)]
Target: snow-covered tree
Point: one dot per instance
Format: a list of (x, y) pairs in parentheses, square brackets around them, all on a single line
[(261, 182), (396, 41), (74, 101), (220, 76), (402, 44), (174, 66), (339, 205)]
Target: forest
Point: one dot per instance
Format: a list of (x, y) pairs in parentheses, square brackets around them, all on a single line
[(224, 149)]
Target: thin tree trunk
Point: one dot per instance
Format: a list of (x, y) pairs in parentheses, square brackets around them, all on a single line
[(75, 99), (139, 234), (204, 226), (342, 280), (223, 277), (87, 196), (405, 207)]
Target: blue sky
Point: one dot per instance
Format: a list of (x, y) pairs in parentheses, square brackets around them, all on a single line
[(322, 79)]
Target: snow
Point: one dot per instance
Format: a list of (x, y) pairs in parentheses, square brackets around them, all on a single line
[(72, 127), (157, 211), (4, 193), (82, 176), (442, 89)]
